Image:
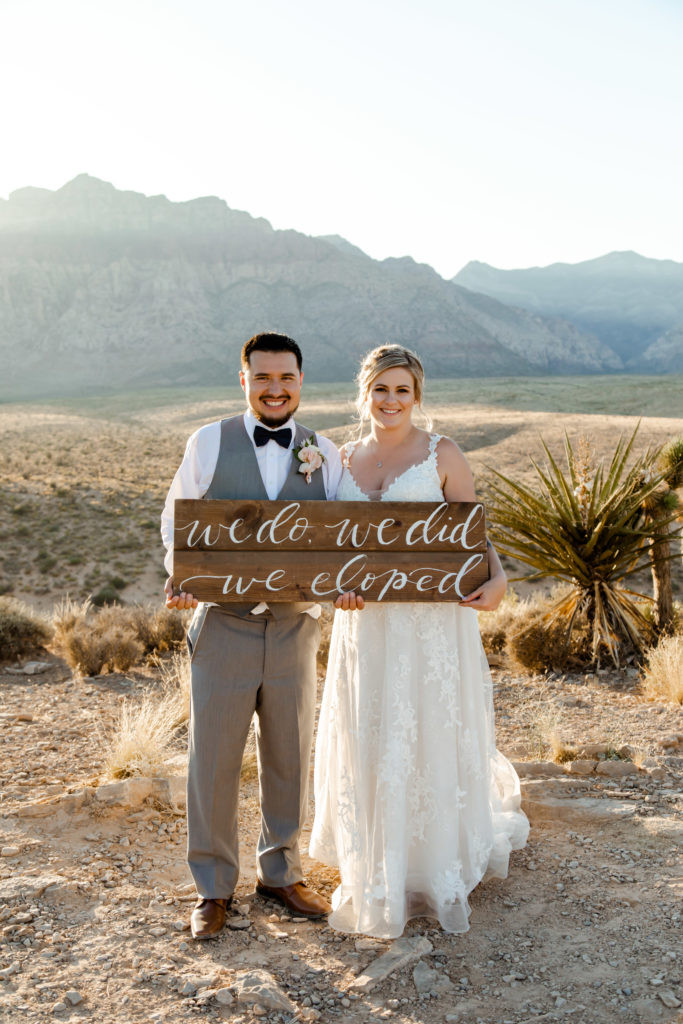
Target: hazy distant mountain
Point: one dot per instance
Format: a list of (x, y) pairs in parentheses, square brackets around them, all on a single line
[(102, 288), (626, 300)]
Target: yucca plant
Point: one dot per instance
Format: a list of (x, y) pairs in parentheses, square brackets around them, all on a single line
[(586, 526)]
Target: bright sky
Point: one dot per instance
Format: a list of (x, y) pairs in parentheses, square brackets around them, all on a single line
[(517, 132)]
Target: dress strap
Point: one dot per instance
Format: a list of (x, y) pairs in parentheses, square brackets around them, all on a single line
[(433, 441), (349, 449)]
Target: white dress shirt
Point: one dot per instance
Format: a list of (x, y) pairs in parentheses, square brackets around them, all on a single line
[(199, 464)]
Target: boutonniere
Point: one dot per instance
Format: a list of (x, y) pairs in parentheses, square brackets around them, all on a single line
[(310, 457)]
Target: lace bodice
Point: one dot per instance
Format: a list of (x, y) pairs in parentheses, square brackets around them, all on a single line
[(419, 482)]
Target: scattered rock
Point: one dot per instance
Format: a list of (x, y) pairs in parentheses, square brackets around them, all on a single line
[(224, 996), (365, 945), (239, 923), (34, 668), (669, 999), (28, 886), (401, 953), (73, 997), (430, 982), (537, 769), (591, 750), (616, 769), (578, 810), (9, 851), (259, 988), (581, 767)]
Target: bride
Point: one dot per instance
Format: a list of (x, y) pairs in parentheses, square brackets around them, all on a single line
[(414, 804)]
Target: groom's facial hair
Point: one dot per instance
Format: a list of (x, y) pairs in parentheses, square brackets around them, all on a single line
[(275, 421)]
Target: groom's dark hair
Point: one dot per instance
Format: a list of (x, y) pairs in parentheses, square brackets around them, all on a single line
[(269, 342)]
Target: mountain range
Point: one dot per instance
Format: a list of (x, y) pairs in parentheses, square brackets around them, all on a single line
[(634, 305), (105, 289)]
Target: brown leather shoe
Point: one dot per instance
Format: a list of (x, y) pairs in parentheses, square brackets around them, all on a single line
[(208, 917), (302, 901)]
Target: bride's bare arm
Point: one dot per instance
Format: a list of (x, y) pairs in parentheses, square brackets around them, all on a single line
[(458, 485)]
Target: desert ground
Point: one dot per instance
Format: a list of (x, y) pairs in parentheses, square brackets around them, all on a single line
[(94, 891)]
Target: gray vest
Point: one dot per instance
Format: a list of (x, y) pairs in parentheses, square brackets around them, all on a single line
[(237, 475)]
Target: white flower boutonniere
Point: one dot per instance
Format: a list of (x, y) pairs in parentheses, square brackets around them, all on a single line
[(310, 457)]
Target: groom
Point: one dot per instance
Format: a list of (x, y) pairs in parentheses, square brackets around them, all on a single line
[(248, 658)]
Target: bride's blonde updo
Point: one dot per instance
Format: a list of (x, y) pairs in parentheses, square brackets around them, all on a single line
[(386, 357)]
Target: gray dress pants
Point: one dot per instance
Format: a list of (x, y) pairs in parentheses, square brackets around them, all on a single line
[(242, 665)]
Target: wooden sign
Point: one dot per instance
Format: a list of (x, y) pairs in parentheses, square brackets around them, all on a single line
[(315, 550)]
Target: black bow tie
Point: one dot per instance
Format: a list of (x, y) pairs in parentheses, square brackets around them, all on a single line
[(282, 437)]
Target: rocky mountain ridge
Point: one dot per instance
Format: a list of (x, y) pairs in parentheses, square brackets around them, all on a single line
[(101, 288), (633, 304)]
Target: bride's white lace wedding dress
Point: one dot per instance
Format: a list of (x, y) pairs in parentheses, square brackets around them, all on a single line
[(412, 800)]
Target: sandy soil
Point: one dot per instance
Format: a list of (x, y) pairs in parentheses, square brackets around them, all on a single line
[(95, 901)]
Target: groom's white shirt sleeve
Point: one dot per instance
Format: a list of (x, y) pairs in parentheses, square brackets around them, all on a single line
[(196, 471)]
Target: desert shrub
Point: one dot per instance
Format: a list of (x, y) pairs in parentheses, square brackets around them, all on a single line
[(157, 629), (106, 595), (141, 740), (663, 673), (21, 630), (541, 641), (496, 626), (112, 638)]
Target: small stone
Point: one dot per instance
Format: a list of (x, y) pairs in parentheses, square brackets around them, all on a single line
[(259, 988), (9, 851), (668, 742), (616, 769), (73, 997), (224, 996), (592, 750), (59, 1008), (669, 999), (239, 923), (537, 769), (401, 953), (258, 1010), (364, 945), (157, 931), (34, 668), (581, 767), (188, 989)]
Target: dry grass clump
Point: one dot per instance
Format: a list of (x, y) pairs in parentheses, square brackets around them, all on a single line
[(91, 643), (543, 642), (21, 630), (175, 685), (663, 675), (112, 638), (157, 629), (495, 627), (142, 739), (532, 637)]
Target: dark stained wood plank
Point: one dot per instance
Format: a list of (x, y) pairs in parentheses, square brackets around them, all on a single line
[(329, 526), (319, 576)]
